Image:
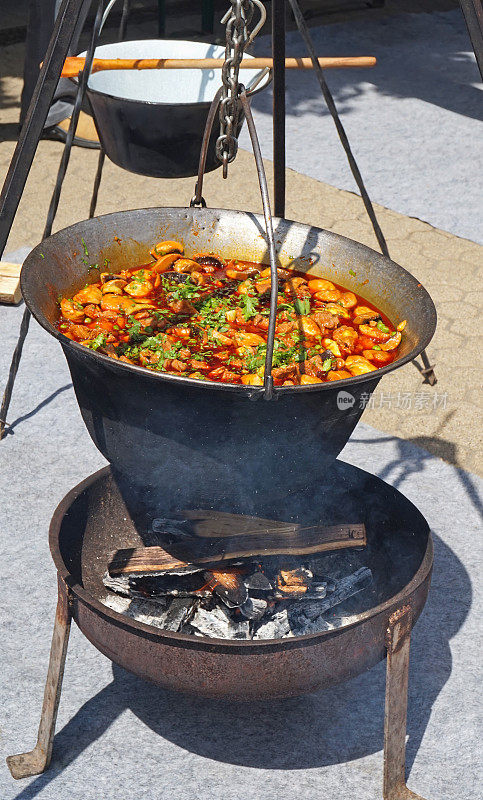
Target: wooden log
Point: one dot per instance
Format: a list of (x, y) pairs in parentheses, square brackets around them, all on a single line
[(75, 64), (10, 283), (291, 540)]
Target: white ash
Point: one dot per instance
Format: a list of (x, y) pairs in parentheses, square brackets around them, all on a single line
[(254, 608), (276, 627), (120, 584), (218, 624), (179, 611), (328, 603), (147, 611)]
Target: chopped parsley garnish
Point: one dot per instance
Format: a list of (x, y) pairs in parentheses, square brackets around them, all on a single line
[(302, 307), (180, 291), (134, 329), (94, 344), (249, 306), (282, 355), (351, 272), (213, 311)]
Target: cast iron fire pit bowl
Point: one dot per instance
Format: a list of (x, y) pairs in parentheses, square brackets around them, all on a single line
[(93, 520), (201, 441)]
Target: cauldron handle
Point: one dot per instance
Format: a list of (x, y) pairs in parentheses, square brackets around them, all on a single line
[(198, 201)]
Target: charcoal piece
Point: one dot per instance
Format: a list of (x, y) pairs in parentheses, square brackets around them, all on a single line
[(150, 612), (174, 585), (157, 585), (274, 628), (179, 612), (257, 581), (218, 624), (316, 591), (254, 608), (305, 616)]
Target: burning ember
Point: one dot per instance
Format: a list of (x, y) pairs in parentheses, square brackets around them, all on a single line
[(253, 598)]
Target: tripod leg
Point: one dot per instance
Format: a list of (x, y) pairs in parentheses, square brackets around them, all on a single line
[(398, 638), (24, 765), (97, 183)]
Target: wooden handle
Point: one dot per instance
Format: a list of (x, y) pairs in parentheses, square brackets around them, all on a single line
[(75, 64)]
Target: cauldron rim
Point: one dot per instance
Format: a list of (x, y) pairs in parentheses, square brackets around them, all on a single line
[(193, 383), (204, 104), (212, 644)]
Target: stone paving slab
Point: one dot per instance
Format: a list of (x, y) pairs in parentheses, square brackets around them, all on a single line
[(119, 737)]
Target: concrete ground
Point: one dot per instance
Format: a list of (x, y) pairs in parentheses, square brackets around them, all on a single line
[(420, 110), (119, 737)]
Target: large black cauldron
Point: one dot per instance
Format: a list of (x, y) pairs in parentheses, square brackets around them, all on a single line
[(201, 443)]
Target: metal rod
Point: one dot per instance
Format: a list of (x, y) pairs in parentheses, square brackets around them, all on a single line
[(430, 377), (81, 90), (54, 202), (97, 183), (473, 14), (304, 32), (24, 765), (126, 8), (278, 55), (262, 179), (17, 355), (198, 200), (21, 162), (398, 639)]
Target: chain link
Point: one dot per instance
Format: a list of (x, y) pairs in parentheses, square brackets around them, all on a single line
[(237, 36)]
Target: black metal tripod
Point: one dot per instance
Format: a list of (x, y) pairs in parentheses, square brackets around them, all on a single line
[(37, 113)]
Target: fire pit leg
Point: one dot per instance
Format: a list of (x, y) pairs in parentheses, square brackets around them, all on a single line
[(24, 765), (398, 638)]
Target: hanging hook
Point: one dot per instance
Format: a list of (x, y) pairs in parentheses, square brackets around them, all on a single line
[(258, 26), (261, 23)]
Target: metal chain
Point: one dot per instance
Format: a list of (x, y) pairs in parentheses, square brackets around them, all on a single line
[(237, 35)]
